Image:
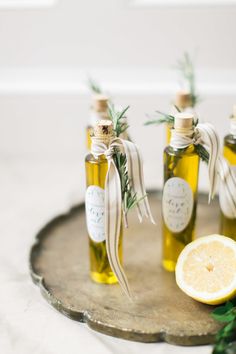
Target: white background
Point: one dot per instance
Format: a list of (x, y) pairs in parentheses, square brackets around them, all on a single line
[(46, 54)]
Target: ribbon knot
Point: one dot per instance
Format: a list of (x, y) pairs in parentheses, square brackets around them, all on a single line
[(113, 197), (109, 152), (197, 138)]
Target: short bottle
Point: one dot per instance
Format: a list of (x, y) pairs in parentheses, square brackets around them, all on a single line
[(184, 103), (228, 221), (98, 111), (179, 202), (96, 170)]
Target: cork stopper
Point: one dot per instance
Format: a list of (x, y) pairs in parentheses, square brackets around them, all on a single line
[(183, 99), (184, 121), (100, 103), (103, 130)]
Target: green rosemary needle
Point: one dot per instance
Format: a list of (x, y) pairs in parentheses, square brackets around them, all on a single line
[(167, 118), (226, 337), (164, 118), (186, 68), (94, 86), (129, 198), (118, 119)]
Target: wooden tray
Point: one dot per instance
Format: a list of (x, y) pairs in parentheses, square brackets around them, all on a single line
[(160, 311)]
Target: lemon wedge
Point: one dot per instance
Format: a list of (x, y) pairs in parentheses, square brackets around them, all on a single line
[(206, 269)]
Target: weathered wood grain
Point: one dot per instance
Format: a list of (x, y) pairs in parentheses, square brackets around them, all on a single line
[(159, 312)]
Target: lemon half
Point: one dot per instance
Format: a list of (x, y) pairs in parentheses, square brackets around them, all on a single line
[(206, 269)]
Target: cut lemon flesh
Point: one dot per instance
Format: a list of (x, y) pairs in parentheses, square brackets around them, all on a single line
[(206, 269)]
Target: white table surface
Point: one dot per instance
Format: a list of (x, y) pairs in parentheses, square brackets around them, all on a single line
[(32, 192)]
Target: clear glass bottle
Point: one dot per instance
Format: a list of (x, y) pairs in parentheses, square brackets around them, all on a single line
[(228, 222), (183, 101), (179, 202), (96, 170), (98, 112)]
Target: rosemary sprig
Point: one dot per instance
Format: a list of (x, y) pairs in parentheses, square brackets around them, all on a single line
[(129, 198), (94, 86), (177, 109), (202, 153), (165, 118), (118, 119), (186, 68), (226, 336)]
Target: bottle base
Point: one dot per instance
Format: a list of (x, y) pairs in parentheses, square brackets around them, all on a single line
[(169, 265), (103, 278)]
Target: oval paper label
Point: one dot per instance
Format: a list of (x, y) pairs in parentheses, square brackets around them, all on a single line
[(95, 205), (177, 204)]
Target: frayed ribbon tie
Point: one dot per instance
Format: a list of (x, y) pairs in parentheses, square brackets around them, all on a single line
[(113, 198), (218, 167)]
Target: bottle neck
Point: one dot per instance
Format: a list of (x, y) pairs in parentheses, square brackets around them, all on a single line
[(181, 138), (100, 138)]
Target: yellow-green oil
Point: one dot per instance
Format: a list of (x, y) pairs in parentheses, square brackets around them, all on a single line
[(182, 163), (227, 225), (168, 132), (100, 270), (89, 132)]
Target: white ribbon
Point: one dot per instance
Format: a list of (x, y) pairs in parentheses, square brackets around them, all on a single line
[(227, 193), (206, 135), (113, 198)]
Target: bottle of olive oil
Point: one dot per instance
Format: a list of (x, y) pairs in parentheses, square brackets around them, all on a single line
[(96, 170), (183, 102), (179, 201), (228, 221), (98, 112)]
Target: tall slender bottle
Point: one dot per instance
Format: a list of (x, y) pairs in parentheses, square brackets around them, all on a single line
[(96, 170), (183, 102), (228, 221), (98, 111), (179, 202)]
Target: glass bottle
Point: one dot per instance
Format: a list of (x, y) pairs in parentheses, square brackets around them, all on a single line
[(228, 222), (96, 170), (179, 202), (98, 112), (183, 101)]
